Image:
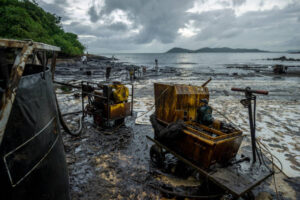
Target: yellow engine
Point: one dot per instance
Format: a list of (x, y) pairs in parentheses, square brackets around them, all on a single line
[(110, 104), (120, 92)]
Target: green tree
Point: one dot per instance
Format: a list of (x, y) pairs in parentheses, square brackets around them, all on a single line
[(24, 19)]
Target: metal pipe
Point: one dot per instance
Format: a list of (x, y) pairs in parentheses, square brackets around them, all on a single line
[(69, 85), (252, 131), (79, 87), (108, 107), (132, 89), (82, 100), (204, 84), (264, 92)]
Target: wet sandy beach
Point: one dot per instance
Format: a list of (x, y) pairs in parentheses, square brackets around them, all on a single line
[(115, 164)]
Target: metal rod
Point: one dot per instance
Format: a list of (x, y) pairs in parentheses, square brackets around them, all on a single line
[(79, 87), (264, 92), (204, 84), (82, 100), (108, 107), (132, 90), (69, 85), (252, 130)]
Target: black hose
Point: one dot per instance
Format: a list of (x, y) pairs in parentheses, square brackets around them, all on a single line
[(71, 113), (63, 123)]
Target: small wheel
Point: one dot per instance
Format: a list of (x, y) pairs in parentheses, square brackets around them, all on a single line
[(248, 196), (156, 155)]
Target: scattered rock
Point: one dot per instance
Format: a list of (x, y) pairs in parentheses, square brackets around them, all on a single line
[(283, 58), (89, 73), (77, 95)]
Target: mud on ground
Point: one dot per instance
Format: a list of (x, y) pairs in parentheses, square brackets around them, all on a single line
[(116, 165)]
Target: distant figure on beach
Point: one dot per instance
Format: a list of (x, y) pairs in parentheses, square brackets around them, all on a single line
[(84, 59), (139, 72), (131, 73), (107, 74), (156, 65), (112, 57)]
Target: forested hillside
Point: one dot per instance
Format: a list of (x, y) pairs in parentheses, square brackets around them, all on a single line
[(23, 19)]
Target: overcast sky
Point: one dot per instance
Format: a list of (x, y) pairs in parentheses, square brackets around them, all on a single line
[(112, 26)]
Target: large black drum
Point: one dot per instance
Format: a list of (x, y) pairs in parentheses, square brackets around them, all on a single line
[(32, 159)]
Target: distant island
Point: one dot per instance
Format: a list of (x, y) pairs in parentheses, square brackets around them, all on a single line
[(214, 50), (293, 51)]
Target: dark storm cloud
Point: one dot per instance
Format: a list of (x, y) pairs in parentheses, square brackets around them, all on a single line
[(93, 14), (104, 31), (238, 2), (57, 8), (158, 20), (118, 27), (61, 2), (217, 24), (78, 28), (264, 29), (156, 23)]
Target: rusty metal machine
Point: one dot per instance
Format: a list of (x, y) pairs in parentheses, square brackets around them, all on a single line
[(205, 140), (108, 102), (185, 127)]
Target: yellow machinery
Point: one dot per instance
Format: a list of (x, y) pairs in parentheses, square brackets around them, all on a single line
[(204, 140), (108, 103), (184, 126)]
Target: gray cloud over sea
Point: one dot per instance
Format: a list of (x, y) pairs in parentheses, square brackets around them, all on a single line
[(158, 25)]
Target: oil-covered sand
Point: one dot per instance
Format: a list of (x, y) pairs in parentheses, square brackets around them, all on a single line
[(115, 164)]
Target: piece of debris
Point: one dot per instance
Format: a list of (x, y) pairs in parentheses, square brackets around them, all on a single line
[(280, 69)]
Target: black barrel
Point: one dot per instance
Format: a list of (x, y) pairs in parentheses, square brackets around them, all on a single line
[(32, 164)]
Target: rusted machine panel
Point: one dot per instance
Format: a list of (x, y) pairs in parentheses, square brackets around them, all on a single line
[(173, 102), (204, 144)]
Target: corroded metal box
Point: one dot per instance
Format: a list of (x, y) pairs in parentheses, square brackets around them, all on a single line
[(205, 145)]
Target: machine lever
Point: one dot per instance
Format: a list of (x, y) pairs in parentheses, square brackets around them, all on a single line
[(264, 92)]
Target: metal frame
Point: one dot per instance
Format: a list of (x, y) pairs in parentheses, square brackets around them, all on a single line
[(19, 44), (210, 174), (26, 48), (107, 98)]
